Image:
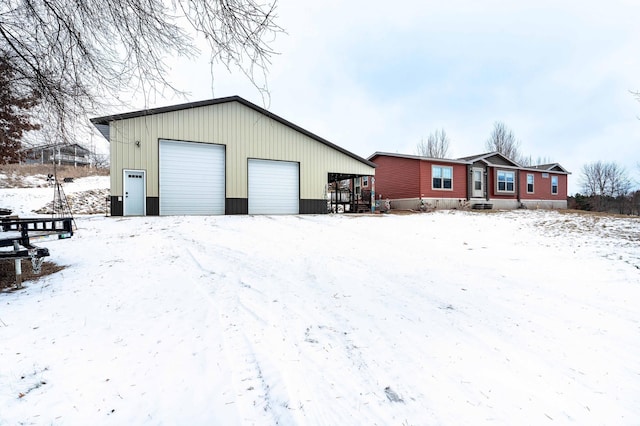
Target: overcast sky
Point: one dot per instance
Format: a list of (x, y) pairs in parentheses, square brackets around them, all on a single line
[(380, 76)]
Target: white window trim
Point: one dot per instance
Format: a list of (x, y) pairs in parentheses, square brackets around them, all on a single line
[(506, 191), (557, 185), (533, 191), (442, 179)]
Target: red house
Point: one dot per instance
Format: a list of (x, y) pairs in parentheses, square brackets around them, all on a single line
[(488, 180)]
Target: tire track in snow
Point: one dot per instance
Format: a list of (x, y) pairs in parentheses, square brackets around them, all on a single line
[(253, 381), (270, 366), (321, 346), (305, 325)]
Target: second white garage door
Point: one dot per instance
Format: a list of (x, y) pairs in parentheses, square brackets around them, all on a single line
[(274, 187), (192, 178)]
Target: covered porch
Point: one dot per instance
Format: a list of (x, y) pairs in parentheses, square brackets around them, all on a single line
[(350, 193)]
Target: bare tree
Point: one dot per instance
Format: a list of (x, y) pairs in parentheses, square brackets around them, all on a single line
[(75, 53), (504, 141), (436, 145), (602, 180), (99, 161), (527, 161)]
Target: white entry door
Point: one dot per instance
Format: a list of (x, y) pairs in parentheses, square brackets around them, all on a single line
[(134, 192), (478, 183)]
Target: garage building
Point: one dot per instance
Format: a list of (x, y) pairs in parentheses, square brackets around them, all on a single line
[(220, 156)]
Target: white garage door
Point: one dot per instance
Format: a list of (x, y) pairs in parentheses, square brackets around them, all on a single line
[(192, 178), (274, 187)]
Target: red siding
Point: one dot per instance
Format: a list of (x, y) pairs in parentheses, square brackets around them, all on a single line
[(397, 177), (563, 184), (542, 186), (459, 184)]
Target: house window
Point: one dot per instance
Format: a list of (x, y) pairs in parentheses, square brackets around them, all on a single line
[(365, 180), (442, 177), (554, 185), (505, 181), (530, 183)]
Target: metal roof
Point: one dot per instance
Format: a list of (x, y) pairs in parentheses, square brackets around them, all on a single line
[(553, 167), (102, 123), (486, 158), (416, 157)]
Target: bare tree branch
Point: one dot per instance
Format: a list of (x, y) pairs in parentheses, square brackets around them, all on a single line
[(436, 145), (527, 160), (77, 53), (601, 179), (503, 140)]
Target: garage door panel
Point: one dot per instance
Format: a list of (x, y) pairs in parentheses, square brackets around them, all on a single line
[(274, 187), (192, 178)]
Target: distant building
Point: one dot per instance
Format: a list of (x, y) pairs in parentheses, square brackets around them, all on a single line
[(67, 155)]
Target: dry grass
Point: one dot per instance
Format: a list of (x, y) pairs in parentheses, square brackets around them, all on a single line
[(19, 171), (16, 175), (598, 214), (92, 201), (8, 272)]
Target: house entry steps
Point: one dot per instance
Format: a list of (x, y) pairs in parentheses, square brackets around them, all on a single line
[(482, 206)]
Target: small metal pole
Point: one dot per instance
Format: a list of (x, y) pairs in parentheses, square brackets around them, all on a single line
[(18, 261)]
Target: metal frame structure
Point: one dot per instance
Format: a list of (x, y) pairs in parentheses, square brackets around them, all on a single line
[(22, 234)]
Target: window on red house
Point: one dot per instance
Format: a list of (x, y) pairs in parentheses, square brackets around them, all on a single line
[(442, 177), (506, 181)]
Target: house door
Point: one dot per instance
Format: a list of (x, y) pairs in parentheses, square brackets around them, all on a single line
[(478, 183), (134, 193)]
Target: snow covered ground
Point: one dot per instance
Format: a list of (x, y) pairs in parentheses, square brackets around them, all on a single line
[(522, 317), (85, 195)]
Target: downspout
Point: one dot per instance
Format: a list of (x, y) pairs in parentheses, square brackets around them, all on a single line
[(335, 186), (518, 185), (372, 179), (486, 182), (469, 182), (352, 201)]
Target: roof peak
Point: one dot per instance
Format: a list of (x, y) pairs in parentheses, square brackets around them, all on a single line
[(102, 123)]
